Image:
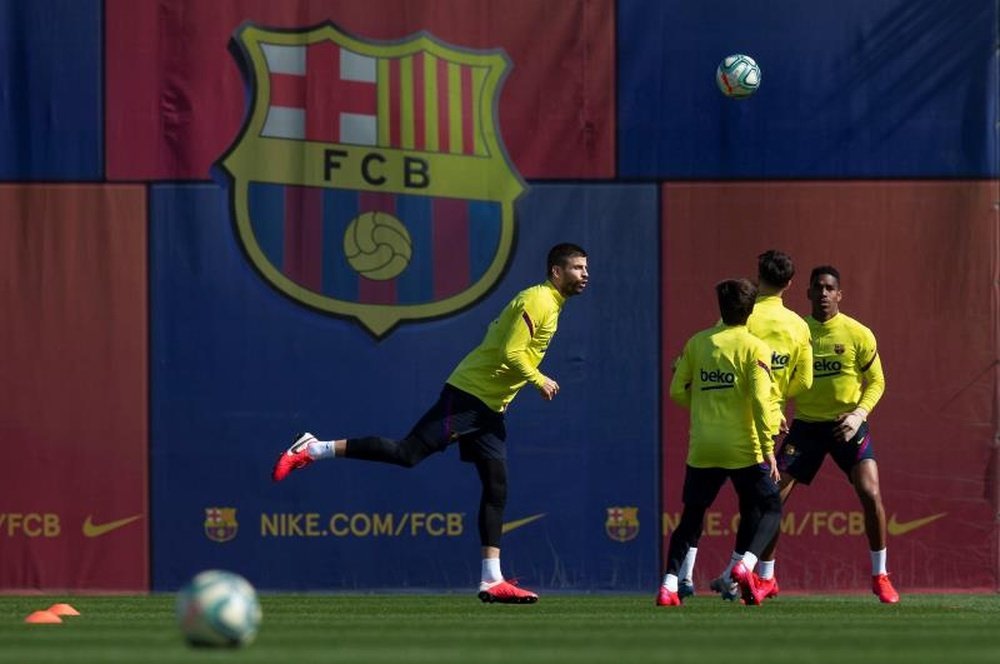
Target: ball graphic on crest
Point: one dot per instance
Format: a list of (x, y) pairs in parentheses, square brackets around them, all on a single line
[(377, 245)]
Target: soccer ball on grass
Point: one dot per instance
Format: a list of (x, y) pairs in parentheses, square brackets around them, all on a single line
[(738, 76), (218, 608)]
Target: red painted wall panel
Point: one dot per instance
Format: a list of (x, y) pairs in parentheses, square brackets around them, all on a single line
[(73, 401), (918, 262), (175, 97)]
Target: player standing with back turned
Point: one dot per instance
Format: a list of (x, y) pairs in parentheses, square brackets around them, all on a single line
[(787, 335), (724, 377)]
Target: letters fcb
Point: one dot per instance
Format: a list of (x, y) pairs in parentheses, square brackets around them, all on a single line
[(345, 133)]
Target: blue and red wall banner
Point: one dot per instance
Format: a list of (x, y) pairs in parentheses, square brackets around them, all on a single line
[(224, 223)]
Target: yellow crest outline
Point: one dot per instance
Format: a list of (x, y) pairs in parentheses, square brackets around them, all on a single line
[(299, 162)]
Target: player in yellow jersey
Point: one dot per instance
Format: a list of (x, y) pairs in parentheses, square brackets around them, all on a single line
[(831, 416), (724, 377), (470, 410), (787, 335)]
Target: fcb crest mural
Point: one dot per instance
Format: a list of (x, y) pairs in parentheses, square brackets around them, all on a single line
[(370, 180)]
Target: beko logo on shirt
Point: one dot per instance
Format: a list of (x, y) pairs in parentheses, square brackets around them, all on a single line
[(717, 380), (779, 362), (825, 367)]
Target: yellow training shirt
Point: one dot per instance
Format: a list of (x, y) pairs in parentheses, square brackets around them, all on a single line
[(512, 349), (723, 376), (847, 372), (787, 335)]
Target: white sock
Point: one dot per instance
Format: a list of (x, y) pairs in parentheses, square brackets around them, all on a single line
[(491, 570), (765, 569), (749, 560), (670, 582), (878, 562), (321, 449), (733, 559), (687, 567)]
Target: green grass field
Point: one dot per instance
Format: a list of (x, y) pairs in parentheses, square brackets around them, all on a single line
[(603, 629)]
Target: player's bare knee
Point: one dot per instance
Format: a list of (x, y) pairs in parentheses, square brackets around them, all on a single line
[(868, 492)]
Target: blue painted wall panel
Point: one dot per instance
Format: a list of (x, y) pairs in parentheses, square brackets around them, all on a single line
[(51, 107), (850, 89), (238, 369)]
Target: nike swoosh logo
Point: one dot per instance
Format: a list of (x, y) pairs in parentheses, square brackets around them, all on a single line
[(896, 528), (90, 529), (513, 525)]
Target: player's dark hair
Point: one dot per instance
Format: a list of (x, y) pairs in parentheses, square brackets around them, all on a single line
[(561, 253), (824, 269), (736, 300), (775, 268)]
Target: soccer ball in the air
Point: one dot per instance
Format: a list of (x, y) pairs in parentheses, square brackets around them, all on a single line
[(218, 608), (738, 76)]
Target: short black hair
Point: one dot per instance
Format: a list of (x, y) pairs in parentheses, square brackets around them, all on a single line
[(561, 253), (736, 300), (775, 268), (824, 269)]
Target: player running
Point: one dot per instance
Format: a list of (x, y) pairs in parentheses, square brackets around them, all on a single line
[(470, 410), (724, 377)]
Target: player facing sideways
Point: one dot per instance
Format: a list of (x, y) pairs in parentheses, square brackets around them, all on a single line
[(724, 377), (831, 417), (787, 335), (470, 409)]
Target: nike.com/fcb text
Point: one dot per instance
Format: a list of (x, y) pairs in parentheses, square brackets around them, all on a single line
[(363, 524), (805, 523)]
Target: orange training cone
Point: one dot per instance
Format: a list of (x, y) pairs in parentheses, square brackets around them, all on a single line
[(43, 617), (63, 610)]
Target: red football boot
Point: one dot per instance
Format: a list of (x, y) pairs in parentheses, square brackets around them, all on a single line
[(882, 587), (668, 598), (747, 580), (506, 592), (769, 586), (297, 456)]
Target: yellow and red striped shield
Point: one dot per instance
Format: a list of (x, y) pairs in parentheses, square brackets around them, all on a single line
[(369, 179)]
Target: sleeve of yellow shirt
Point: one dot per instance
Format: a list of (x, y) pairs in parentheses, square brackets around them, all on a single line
[(765, 415), (870, 368), (516, 342), (802, 372), (777, 405), (680, 382)]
